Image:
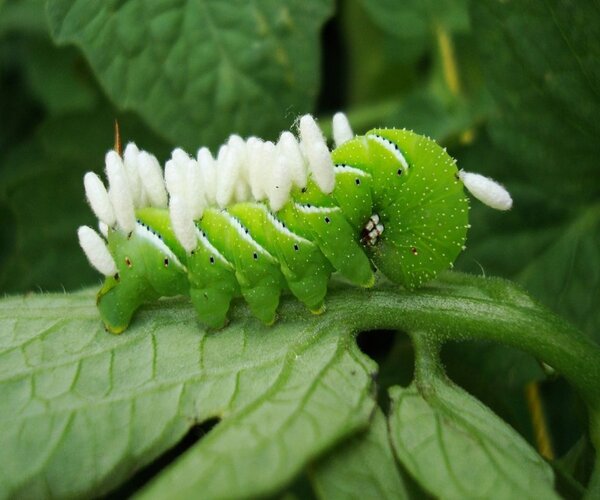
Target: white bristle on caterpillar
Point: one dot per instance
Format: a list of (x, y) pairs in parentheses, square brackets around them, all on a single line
[(342, 132), (317, 153), (183, 223), (98, 198), (151, 176), (96, 251), (120, 192), (486, 190)]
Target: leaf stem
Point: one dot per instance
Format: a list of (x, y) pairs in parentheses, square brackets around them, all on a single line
[(473, 308)]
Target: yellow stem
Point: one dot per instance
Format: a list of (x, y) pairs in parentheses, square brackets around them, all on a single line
[(538, 420), (449, 66)]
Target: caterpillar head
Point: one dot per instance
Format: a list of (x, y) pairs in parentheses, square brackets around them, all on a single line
[(145, 273), (420, 212)]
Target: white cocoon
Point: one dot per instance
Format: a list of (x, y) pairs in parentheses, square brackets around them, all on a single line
[(130, 161), (208, 171), (241, 191), (195, 189), (182, 222), (254, 154), (228, 175), (315, 150), (486, 190), (119, 192), (279, 191), (96, 251), (288, 147), (342, 132), (151, 176), (103, 228), (175, 173), (266, 165), (98, 198)]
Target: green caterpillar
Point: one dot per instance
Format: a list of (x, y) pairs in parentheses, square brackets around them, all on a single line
[(262, 218)]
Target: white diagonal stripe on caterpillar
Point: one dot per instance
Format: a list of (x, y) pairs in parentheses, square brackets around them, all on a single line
[(145, 232), (391, 147)]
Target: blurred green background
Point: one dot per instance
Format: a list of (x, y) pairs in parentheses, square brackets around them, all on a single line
[(511, 88)]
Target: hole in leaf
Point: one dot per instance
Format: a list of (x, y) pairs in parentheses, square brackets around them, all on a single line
[(394, 355), (153, 469), (301, 487)]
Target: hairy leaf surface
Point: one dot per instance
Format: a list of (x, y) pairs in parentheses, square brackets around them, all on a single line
[(82, 409)]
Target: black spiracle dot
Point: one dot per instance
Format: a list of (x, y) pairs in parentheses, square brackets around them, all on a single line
[(295, 247), (117, 277), (128, 262), (212, 259), (166, 262), (255, 255), (357, 182), (399, 171), (304, 190), (327, 220)]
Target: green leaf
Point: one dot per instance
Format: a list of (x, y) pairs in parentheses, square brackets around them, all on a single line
[(58, 78), (82, 409), (362, 467), (457, 448), (566, 275), (198, 71), (541, 64)]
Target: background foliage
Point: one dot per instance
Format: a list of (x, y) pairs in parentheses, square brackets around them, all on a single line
[(511, 88)]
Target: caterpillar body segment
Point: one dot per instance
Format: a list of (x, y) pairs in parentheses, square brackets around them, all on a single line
[(212, 282), (304, 268), (147, 269), (275, 218)]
